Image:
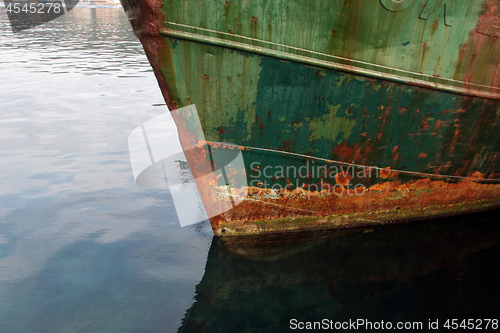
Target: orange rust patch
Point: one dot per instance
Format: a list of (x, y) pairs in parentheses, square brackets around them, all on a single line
[(478, 57), (343, 178), (422, 155), (477, 175), (437, 170), (269, 205), (490, 21), (394, 154), (437, 126), (424, 126), (388, 173), (358, 153)]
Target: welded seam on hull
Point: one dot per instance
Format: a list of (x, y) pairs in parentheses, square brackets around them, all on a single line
[(427, 81)]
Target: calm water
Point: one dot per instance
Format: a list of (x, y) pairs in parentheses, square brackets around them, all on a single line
[(83, 249)]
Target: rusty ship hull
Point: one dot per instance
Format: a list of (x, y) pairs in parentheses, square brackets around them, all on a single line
[(347, 113)]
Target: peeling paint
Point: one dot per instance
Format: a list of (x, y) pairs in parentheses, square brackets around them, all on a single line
[(346, 96), (330, 126)]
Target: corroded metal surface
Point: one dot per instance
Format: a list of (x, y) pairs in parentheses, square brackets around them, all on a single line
[(435, 43), (266, 212), (409, 90)]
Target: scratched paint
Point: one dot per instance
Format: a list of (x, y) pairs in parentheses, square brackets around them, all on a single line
[(401, 89), (427, 37)]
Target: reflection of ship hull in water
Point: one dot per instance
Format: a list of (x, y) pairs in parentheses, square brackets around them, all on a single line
[(417, 272), (347, 114)]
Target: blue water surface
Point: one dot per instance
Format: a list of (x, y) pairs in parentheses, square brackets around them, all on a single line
[(84, 249)]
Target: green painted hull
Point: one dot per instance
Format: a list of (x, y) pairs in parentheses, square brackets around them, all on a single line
[(391, 109)]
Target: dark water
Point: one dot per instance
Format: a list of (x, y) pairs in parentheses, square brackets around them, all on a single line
[(404, 273), (84, 249)]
